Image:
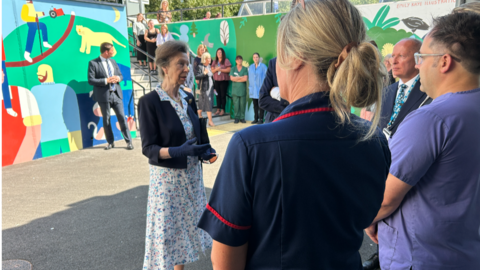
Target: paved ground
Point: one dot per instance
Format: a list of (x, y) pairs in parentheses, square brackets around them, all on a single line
[(86, 209)]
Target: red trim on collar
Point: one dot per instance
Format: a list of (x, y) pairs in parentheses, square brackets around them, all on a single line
[(326, 109), (225, 221)]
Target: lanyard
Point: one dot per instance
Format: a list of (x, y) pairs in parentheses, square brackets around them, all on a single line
[(399, 103)]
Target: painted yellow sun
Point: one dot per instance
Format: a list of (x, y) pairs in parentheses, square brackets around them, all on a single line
[(245, 64), (260, 31), (387, 49)]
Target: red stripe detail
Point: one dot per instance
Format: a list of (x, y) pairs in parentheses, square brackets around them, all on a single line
[(55, 46), (225, 221), (326, 109)]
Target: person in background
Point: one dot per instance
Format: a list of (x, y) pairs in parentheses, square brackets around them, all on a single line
[(170, 131), (256, 75), (204, 76), (164, 35), (273, 106), (163, 15), (429, 217), (198, 59), (151, 39), (208, 15), (468, 7), (282, 199), (221, 68), (239, 77), (219, 15), (190, 81), (105, 77), (387, 61), (139, 29)]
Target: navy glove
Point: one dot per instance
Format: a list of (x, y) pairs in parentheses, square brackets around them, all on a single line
[(188, 149), (208, 154)]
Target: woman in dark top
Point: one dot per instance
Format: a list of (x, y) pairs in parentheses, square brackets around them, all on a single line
[(170, 129), (139, 29), (297, 193), (151, 39), (221, 74), (204, 75)]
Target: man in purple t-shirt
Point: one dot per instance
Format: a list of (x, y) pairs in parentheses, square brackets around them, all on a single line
[(430, 215)]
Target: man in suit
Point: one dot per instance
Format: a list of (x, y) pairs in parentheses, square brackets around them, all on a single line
[(273, 107), (104, 75), (400, 99), (404, 96)]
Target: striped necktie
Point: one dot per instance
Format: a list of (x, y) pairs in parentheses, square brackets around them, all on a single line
[(112, 85)]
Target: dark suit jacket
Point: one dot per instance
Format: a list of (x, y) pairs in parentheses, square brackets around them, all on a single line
[(265, 101), (415, 99), (161, 127), (96, 77)]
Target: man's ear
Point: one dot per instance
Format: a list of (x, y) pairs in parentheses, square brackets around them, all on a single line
[(446, 63)]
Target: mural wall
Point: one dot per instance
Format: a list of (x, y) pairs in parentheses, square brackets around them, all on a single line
[(387, 24), (46, 101)]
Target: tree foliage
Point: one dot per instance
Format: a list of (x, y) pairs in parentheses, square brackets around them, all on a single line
[(229, 11)]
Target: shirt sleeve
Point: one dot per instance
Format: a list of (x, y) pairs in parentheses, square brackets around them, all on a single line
[(227, 63), (416, 145), (232, 70), (228, 215)]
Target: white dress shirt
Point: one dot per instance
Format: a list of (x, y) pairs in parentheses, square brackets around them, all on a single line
[(409, 84), (104, 64), (161, 39)]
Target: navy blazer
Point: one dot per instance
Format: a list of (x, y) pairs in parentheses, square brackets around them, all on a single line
[(96, 77), (161, 127), (415, 99), (265, 101)]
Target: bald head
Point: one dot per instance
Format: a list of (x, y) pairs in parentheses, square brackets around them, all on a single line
[(403, 61)]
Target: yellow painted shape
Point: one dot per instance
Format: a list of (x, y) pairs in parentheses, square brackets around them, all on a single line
[(387, 49), (75, 140), (33, 120), (45, 70), (117, 15), (260, 31), (90, 38), (215, 132)]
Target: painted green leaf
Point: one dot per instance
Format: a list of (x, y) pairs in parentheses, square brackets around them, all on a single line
[(368, 23), (381, 15), (390, 23)]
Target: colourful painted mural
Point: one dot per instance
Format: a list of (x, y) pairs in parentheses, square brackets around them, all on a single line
[(386, 23), (47, 107)]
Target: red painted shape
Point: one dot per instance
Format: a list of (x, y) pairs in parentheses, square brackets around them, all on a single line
[(225, 221), (55, 46), (326, 109), (13, 130)]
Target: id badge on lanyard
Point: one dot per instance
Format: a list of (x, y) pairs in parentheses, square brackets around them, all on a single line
[(387, 133)]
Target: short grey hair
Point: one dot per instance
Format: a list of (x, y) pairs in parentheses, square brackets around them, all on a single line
[(205, 55)]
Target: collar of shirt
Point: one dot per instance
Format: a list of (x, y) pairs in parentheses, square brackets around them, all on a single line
[(103, 59), (315, 100), (409, 84)]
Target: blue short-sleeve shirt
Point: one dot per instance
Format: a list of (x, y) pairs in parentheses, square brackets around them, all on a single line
[(299, 190), (437, 151)]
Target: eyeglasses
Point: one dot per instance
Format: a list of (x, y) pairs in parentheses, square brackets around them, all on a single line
[(419, 56)]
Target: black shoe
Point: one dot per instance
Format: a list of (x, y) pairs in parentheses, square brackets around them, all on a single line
[(260, 122), (372, 263), (236, 121), (109, 146), (243, 121), (129, 146), (254, 121)]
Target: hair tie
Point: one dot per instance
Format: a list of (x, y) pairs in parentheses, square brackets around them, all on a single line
[(343, 55)]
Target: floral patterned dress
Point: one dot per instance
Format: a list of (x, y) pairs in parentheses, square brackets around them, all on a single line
[(176, 200)]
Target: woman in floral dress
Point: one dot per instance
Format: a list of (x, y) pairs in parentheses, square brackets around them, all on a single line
[(170, 128)]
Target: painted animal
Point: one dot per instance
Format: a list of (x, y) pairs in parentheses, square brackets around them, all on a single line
[(415, 23), (127, 76), (90, 38)]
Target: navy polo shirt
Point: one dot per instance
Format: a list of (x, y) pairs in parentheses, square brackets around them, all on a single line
[(299, 190)]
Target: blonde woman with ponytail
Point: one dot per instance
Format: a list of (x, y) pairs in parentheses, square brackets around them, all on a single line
[(297, 193)]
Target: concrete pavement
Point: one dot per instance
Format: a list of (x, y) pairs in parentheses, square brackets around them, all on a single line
[(86, 209)]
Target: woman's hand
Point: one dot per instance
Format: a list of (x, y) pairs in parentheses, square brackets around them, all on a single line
[(372, 232), (138, 43), (205, 71), (188, 149)]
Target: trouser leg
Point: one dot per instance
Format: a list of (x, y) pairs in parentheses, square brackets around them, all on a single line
[(105, 108), (255, 109), (236, 106), (117, 106), (32, 29), (243, 101), (224, 87), (43, 27)]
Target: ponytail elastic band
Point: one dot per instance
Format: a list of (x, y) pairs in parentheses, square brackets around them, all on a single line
[(345, 52)]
